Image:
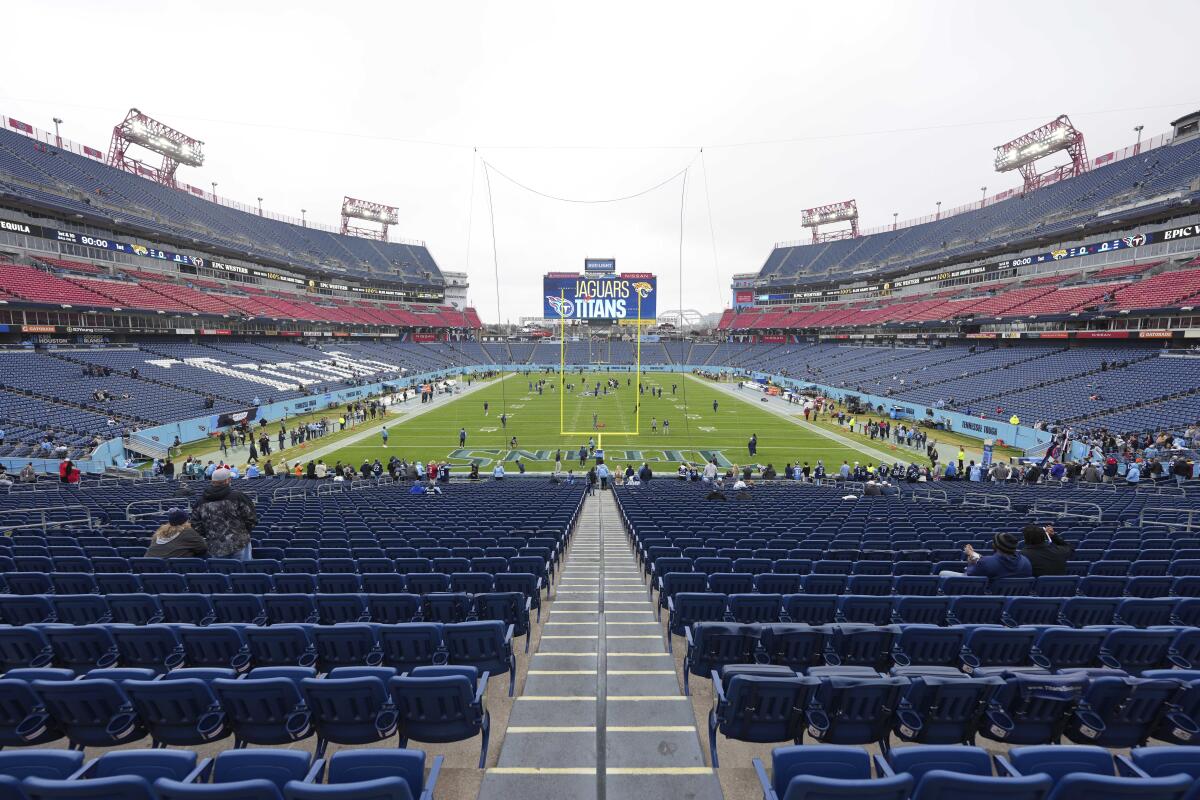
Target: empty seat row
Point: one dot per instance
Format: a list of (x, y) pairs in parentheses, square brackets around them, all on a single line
[(935, 772), (1046, 586), (687, 608), (906, 650), (513, 607), (487, 644), (321, 708), (64, 583), (763, 703)]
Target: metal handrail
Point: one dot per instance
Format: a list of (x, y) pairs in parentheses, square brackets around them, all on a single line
[(1191, 515), (987, 500), (930, 494), (46, 523), (1067, 508), (159, 505)]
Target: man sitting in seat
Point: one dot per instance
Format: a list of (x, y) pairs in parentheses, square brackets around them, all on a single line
[(1004, 562), (1047, 552)]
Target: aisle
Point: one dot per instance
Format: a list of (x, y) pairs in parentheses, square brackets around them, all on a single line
[(601, 715)]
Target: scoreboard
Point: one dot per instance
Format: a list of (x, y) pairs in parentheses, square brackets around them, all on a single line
[(628, 297)]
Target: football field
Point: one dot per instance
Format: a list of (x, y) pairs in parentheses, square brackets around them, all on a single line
[(681, 425)]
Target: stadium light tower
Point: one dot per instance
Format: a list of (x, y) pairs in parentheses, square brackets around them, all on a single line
[(1025, 151), (368, 212), (175, 148), (845, 211)]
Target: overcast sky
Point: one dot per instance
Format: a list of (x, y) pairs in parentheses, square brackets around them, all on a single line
[(896, 104)]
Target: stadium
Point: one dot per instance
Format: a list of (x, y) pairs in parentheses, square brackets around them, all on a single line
[(293, 508)]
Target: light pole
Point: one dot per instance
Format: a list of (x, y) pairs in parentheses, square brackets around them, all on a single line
[(57, 138), (260, 206), (939, 210), (214, 185), (983, 199), (1138, 147), (895, 219), (303, 219)]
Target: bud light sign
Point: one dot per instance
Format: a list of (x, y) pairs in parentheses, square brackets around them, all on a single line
[(621, 298)]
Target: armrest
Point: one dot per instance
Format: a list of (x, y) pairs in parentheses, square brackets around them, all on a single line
[(528, 607), (431, 781), (764, 780), (1126, 769), (314, 772), (718, 689), (1004, 768), (481, 688), (882, 768), (203, 768), (85, 772), (508, 635), (687, 635)]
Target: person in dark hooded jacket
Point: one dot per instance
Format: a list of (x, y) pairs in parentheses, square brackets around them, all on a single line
[(1047, 552), (225, 517)]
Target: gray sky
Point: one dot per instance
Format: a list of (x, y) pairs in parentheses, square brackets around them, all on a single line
[(897, 104)]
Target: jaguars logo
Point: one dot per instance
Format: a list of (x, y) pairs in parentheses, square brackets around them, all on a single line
[(141, 250), (561, 306), (1058, 254), (643, 289)]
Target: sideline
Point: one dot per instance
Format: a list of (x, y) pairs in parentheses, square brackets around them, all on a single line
[(777, 406), (365, 429)]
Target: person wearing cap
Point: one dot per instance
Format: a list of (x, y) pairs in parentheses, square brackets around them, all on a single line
[(1047, 552), (1004, 562), (176, 538), (225, 517)]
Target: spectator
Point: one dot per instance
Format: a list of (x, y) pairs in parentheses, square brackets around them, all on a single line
[(5, 480), (28, 474), (176, 538), (603, 474), (1133, 475), (64, 470), (225, 517), (645, 473), (1047, 552), (498, 471), (1004, 562)]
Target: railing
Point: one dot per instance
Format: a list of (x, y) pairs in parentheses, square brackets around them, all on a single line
[(37, 486), (153, 507), (1158, 489), (930, 495), (289, 493), (1072, 509), (81, 514), (987, 500), (332, 487), (1190, 518)]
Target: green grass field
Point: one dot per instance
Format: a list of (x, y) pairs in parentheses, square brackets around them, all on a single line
[(696, 431)]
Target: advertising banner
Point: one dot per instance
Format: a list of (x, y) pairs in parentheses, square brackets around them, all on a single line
[(618, 297)]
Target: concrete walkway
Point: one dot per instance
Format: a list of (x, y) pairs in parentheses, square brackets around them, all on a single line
[(601, 715)]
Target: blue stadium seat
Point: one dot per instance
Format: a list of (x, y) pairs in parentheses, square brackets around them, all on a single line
[(442, 704), (758, 704)]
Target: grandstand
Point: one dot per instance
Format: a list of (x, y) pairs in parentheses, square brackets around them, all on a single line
[(706, 609)]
